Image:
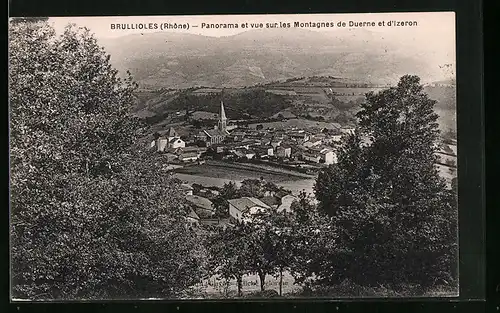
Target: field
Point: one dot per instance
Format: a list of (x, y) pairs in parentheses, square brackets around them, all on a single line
[(298, 123), (216, 286), (198, 115), (217, 174)]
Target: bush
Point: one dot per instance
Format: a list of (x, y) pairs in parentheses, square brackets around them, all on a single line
[(269, 293)]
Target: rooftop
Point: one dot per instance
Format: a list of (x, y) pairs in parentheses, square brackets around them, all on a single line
[(188, 154), (172, 132), (215, 132), (200, 202), (186, 187), (270, 201), (192, 214), (244, 204)]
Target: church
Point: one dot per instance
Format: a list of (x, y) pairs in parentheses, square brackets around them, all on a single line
[(171, 141), (219, 133)]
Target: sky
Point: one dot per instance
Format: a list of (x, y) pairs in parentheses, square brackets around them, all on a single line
[(433, 37), (434, 25)]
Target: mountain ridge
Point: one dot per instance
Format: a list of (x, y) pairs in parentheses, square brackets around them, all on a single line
[(181, 60)]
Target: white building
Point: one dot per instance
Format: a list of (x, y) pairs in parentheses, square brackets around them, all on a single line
[(312, 142), (313, 157), (347, 130), (329, 157), (172, 140), (286, 203), (175, 143), (284, 152), (242, 209)]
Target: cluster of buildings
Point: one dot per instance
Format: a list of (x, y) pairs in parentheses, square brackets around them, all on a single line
[(293, 146), (202, 211)]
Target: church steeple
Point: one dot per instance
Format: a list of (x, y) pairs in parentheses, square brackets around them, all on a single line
[(222, 117)]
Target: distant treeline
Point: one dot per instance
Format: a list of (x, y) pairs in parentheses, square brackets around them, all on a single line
[(245, 104)]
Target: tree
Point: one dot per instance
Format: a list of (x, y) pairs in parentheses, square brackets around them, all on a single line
[(252, 188), (387, 198), (91, 216), (313, 243), (335, 184), (261, 254), (282, 238), (220, 204), (227, 256)]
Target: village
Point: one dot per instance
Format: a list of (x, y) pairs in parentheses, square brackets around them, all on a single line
[(299, 150), (303, 150)]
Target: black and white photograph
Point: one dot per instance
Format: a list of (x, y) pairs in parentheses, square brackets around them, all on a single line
[(233, 157)]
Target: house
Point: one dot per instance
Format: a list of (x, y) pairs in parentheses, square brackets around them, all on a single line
[(336, 125), (218, 222), (187, 189), (172, 133), (242, 209), (219, 149), (286, 203), (198, 150), (328, 157), (284, 151), (284, 115), (312, 142), (271, 201), (238, 135), (311, 157), (202, 206), (264, 151), (446, 149), (453, 147), (446, 158), (334, 138), (170, 157), (188, 156), (244, 153), (347, 130), (161, 144), (192, 218), (300, 136), (266, 141), (172, 140), (251, 143), (276, 143), (176, 143)]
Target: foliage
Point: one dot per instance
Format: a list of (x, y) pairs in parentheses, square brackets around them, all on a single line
[(253, 188), (227, 256), (261, 253), (314, 244), (395, 218), (220, 204), (252, 102), (266, 294), (88, 220)]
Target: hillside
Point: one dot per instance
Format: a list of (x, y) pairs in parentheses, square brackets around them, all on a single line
[(176, 60), (446, 106), (317, 98)]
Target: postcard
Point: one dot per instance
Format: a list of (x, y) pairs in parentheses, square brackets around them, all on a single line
[(233, 157)]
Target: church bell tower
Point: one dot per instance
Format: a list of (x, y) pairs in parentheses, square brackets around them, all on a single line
[(222, 118)]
